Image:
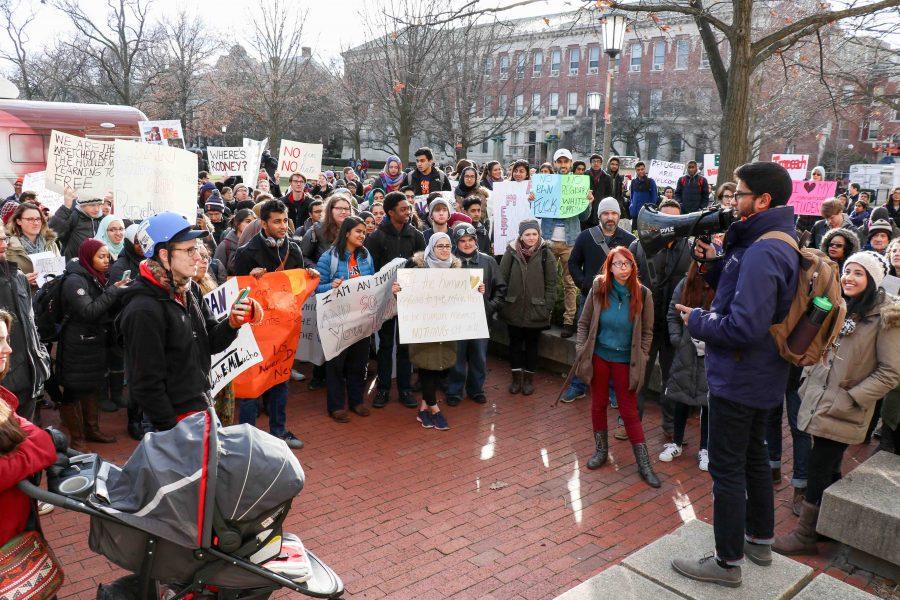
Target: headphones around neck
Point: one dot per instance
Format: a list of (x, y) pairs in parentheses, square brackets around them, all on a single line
[(270, 241)]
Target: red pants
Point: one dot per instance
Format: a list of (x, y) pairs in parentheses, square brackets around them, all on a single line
[(627, 399)]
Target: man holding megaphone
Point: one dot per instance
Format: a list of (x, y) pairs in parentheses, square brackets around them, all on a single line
[(755, 282)]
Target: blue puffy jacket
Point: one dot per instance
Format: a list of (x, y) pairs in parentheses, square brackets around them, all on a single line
[(643, 191), (331, 267), (755, 284)]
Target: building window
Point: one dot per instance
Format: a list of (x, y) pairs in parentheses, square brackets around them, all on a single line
[(504, 66), (704, 99), (676, 146), (634, 104), (636, 52), (594, 59), (501, 105), (513, 139), (652, 144), (520, 105), (535, 104), (844, 131), (537, 63), (488, 66), (574, 60), (484, 147), (896, 115), (659, 55), (553, 104), (486, 107), (572, 105), (520, 65), (874, 130), (655, 102), (555, 59), (682, 51), (704, 57)]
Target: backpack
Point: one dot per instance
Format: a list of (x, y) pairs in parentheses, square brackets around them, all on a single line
[(819, 276), (49, 315)]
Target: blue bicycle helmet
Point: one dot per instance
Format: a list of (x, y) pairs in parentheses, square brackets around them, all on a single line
[(164, 228)]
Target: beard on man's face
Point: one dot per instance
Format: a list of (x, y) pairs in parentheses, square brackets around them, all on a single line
[(609, 225)]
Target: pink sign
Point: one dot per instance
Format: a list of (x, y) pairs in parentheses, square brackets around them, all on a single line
[(808, 196)]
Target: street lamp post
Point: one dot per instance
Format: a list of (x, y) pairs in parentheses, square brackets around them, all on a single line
[(224, 129), (594, 106), (613, 39)]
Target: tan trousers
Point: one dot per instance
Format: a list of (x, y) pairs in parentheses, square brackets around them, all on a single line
[(561, 251)]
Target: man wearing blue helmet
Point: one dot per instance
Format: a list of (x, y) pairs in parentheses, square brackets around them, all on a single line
[(168, 331)]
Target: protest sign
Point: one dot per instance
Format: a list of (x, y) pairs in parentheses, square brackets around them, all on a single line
[(282, 295), (299, 157), (808, 196), (794, 163), (36, 182), (243, 352), (509, 207), (356, 309), (891, 284), (163, 133), (47, 265), (150, 179), (227, 161), (559, 196), (440, 305), (711, 168), (310, 347), (665, 173), (82, 164), (255, 151)]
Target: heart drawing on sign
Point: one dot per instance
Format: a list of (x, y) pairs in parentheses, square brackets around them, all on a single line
[(809, 186)]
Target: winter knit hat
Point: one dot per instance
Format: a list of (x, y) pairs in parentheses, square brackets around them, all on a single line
[(461, 230), (880, 226), (529, 224), (608, 204), (7, 211), (439, 201), (215, 202), (458, 217), (875, 265)]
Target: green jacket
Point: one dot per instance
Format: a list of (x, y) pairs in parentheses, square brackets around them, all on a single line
[(434, 356), (530, 288)]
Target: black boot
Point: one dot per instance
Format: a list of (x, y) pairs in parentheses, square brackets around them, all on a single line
[(601, 453), (135, 422), (645, 469), (516, 386), (116, 389), (527, 383)]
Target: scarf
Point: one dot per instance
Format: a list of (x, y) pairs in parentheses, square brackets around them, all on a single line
[(526, 253), (431, 259), (86, 253), (463, 190), (39, 245), (392, 183), (114, 249), (154, 272)]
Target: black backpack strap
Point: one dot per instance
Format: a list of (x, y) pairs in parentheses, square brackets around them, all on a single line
[(600, 239)]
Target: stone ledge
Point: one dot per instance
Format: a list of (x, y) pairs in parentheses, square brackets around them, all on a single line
[(618, 583), (826, 587)]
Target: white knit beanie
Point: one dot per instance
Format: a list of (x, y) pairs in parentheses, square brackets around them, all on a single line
[(875, 265), (608, 204)]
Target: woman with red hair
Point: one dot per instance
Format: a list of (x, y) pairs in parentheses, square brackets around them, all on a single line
[(614, 336)]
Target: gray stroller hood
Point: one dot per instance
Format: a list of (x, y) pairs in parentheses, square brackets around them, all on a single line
[(175, 479)]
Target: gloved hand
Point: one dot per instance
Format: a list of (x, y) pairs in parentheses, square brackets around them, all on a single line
[(60, 439)]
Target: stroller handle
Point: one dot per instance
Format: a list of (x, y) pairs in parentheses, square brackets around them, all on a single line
[(43, 495)]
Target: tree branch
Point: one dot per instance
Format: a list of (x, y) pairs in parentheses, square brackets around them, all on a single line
[(698, 13)]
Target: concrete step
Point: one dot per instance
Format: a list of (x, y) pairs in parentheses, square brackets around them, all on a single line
[(826, 587), (618, 583)]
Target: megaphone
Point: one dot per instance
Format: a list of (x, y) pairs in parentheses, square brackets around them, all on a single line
[(656, 230)]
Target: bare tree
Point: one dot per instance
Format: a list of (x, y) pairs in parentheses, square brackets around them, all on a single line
[(117, 51), (354, 106), (17, 19)]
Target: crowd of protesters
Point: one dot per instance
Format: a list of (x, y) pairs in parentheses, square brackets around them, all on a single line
[(701, 318)]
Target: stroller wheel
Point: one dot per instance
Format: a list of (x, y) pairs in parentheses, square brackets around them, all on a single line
[(124, 588)]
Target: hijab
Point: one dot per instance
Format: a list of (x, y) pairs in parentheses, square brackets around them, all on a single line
[(463, 190), (392, 183), (86, 253), (114, 249), (431, 258)]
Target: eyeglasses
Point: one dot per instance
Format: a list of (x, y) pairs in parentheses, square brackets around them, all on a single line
[(739, 194), (729, 196), (442, 246), (113, 229), (35, 220), (833, 245), (341, 208), (193, 252), (621, 264), (204, 257)]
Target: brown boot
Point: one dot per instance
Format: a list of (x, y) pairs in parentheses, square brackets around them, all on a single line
[(803, 539), (797, 501), (71, 418), (516, 386), (527, 383), (91, 412)]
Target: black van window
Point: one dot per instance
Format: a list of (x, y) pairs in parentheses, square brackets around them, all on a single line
[(27, 148)]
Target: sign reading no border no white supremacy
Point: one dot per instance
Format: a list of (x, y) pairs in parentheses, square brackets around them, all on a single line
[(440, 305), (150, 179), (243, 352), (356, 309)]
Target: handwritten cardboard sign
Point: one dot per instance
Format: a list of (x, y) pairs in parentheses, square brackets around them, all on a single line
[(82, 164), (440, 305), (243, 352), (37, 183), (227, 161), (808, 196), (559, 196), (711, 168), (795, 164), (151, 178), (665, 173), (299, 157), (309, 349), (509, 207)]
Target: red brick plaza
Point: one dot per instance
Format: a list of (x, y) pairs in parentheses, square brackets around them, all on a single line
[(500, 506)]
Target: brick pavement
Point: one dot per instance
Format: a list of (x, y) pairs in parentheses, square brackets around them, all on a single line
[(500, 506)]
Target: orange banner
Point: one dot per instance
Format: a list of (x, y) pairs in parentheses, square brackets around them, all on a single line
[(282, 295)]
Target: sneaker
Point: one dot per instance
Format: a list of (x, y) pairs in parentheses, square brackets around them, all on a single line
[(292, 441), (572, 394), (297, 375), (669, 452), (479, 399), (620, 433), (381, 398), (703, 460), (44, 508), (707, 569), (568, 330), (424, 417), (316, 384), (440, 422), (407, 400), (613, 401), (453, 400)]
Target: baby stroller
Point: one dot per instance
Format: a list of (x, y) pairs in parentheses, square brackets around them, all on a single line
[(196, 512)]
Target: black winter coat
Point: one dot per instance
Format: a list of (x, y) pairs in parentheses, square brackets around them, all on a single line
[(386, 243), (601, 187), (313, 245), (86, 338), (128, 260), (437, 182), (617, 191), (168, 350), (587, 256), (494, 286), (687, 377), (256, 253), (73, 230), (29, 364), (661, 274)]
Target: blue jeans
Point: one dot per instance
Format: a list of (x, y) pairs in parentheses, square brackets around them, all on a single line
[(773, 436), (743, 496), (386, 340), (470, 369), (802, 441), (276, 403)]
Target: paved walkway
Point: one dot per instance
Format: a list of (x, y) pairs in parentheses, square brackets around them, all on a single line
[(500, 506)]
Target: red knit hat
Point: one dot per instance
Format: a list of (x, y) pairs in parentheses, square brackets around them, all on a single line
[(7, 211), (458, 217)]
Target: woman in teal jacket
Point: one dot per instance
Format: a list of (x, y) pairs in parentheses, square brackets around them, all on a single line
[(345, 374)]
